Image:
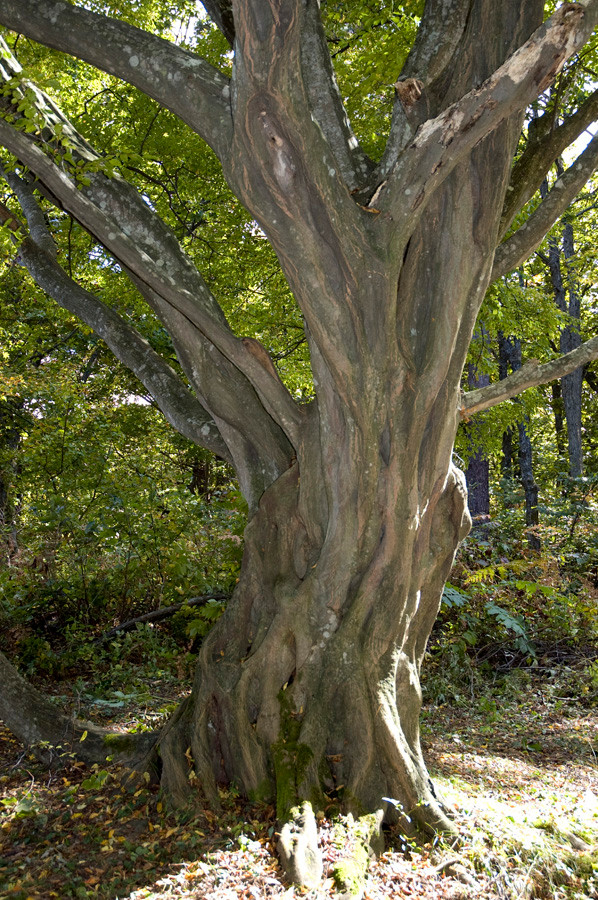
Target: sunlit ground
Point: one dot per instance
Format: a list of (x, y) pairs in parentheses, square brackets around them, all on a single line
[(520, 778)]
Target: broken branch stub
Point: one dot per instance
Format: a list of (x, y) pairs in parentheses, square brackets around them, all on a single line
[(298, 848)]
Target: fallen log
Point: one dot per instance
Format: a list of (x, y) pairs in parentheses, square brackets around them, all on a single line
[(156, 615)]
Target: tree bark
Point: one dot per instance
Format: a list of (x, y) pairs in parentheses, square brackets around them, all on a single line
[(557, 411), (477, 477), (309, 683), (571, 384), (530, 487), (510, 354), (477, 474), (10, 439)]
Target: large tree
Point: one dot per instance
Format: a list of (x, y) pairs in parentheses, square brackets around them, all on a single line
[(309, 683)]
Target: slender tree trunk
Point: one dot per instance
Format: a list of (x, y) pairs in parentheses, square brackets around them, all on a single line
[(557, 411), (571, 339), (506, 463), (478, 487), (477, 474), (10, 438), (530, 487), (510, 355), (566, 297)]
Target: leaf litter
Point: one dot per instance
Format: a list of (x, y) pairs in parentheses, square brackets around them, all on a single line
[(520, 780)]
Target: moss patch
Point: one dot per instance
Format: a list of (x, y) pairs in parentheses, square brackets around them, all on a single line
[(263, 792), (358, 836), (349, 873), (291, 758), (120, 743)]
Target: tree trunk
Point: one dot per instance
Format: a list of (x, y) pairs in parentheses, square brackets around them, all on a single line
[(309, 682), (557, 411), (510, 355), (570, 338), (507, 459), (478, 487), (571, 385), (530, 488), (10, 438), (506, 463), (477, 474)]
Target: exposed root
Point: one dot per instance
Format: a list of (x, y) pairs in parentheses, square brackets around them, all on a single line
[(363, 839), (298, 848), (55, 738)]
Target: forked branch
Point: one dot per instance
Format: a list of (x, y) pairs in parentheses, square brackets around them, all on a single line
[(153, 272), (437, 38), (530, 169), (442, 142)]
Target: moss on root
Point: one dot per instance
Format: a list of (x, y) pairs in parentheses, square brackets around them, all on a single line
[(263, 793), (291, 759), (349, 873), (361, 837), (120, 742)]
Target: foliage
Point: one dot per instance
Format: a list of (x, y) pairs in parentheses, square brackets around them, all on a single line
[(368, 41), (114, 513), (507, 607)]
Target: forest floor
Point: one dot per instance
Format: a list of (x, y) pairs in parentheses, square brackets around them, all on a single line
[(518, 770)]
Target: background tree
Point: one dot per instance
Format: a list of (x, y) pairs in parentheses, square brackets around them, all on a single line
[(355, 507)]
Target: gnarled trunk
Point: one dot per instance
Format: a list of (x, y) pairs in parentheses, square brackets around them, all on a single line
[(309, 683)]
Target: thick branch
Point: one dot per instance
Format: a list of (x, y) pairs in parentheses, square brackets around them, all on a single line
[(182, 82), (440, 31), (38, 227), (529, 375), (38, 254), (530, 169), (526, 239), (326, 103), (259, 449), (180, 407), (442, 142), (324, 96), (184, 297), (437, 38), (283, 170), (221, 13)]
